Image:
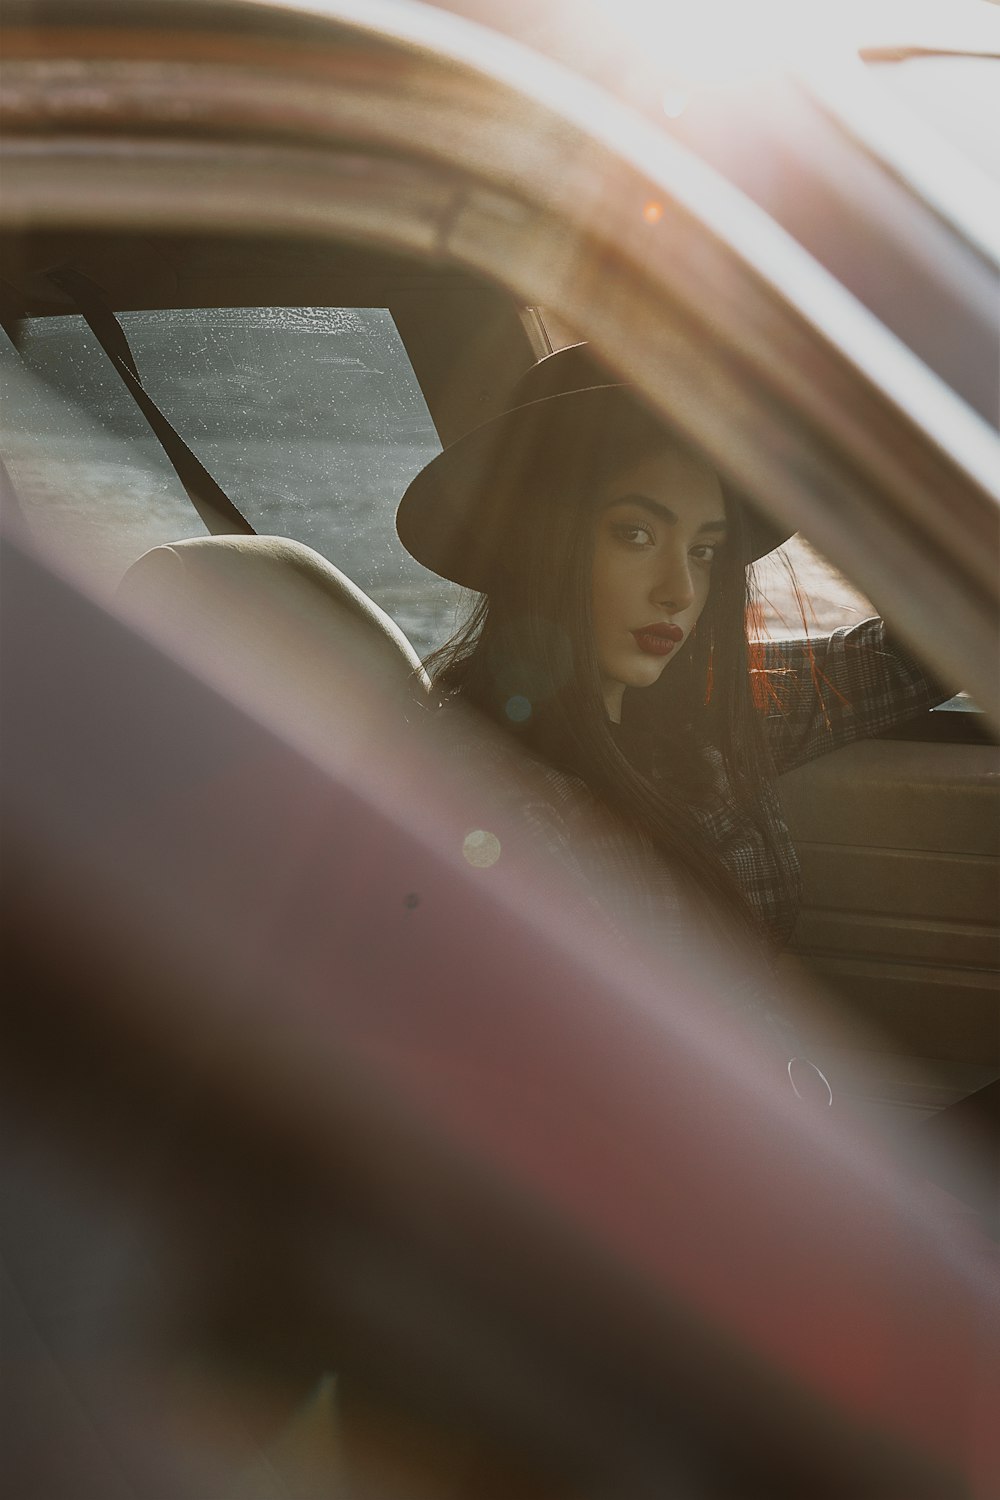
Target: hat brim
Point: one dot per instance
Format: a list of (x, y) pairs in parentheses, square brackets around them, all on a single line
[(440, 518)]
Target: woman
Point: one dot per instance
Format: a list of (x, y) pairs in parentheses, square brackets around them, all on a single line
[(611, 640)]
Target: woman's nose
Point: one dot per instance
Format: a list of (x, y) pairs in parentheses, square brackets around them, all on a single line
[(673, 587)]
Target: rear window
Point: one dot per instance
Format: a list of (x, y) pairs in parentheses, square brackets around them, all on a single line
[(310, 418)]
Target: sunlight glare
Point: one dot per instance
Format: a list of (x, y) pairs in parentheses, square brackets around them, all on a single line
[(674, 102), (719, 41)]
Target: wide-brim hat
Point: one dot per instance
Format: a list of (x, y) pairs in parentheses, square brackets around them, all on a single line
[(441, 520)]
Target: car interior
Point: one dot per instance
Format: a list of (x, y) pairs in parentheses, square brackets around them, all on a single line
[(308, 386)]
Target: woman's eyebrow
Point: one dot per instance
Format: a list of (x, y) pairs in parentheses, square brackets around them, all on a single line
[(663, 512)]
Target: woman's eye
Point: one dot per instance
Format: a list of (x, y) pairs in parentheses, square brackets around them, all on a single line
[(632, 534), (705, 552)]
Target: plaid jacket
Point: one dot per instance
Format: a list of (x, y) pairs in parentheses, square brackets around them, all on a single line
[(822, 694)]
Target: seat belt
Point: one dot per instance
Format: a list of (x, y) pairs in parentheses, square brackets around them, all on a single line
[(209, 499), (11, 510)]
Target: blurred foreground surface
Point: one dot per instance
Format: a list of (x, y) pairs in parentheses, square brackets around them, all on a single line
[(293, 1090)]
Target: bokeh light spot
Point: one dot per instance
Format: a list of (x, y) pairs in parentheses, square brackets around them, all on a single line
[(653, 212), (518, 708), (481, 848), (674, 102)]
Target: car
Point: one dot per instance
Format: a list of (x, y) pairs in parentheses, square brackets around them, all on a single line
[(260, 262)]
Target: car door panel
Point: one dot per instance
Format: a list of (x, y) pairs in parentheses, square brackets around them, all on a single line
[(901, 879)]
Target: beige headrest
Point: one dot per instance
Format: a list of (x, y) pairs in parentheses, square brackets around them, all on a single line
[(273, 615)]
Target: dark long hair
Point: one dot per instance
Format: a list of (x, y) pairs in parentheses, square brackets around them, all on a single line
[(526, 659)]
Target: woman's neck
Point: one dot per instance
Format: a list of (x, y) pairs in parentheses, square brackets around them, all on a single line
[(614, 692)]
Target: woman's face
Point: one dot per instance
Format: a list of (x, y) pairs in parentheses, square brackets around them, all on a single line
[(660, 522)]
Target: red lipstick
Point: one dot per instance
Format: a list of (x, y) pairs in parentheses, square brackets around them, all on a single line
[(658, 640)]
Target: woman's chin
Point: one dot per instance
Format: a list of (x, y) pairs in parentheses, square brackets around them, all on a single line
[(632, 673), (646, 672)]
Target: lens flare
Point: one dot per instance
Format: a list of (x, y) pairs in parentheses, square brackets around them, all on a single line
[(481, 848), (518, 708)]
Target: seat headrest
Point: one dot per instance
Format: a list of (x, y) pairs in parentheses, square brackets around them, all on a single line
[(273, 610)]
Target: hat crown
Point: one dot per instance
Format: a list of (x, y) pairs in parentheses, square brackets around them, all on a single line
[(570, 369), (440, 519)]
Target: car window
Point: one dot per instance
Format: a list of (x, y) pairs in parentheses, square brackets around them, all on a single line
[(795, 590), (800, 593), (310, 418)]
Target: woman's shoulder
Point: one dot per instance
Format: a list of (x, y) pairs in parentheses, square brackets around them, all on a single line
[(501, 766), (537, 803)]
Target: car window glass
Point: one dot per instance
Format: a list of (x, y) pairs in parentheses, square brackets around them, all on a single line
[(800, 593), (310, 418)]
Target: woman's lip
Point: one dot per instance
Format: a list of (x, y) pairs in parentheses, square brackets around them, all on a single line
[(658, 640)]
